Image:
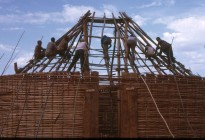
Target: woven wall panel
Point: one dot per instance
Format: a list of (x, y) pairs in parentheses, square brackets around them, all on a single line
[(53, 105), (180, 100), (42, 105)]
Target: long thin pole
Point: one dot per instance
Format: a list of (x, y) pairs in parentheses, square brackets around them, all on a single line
[(12, 54), (1, 56)]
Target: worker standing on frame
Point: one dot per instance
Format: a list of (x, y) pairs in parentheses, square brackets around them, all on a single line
[(166, 48), (106, 44), (80, 53), (131, 43)]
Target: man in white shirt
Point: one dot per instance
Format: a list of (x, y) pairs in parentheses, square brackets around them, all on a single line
[(149, 50), (81, 49), (131, 43)]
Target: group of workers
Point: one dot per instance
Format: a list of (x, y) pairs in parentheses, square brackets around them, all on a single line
[(150, 52), (82, 49), (52, 49), (164, 47)]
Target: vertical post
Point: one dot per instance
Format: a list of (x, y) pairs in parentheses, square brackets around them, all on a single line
[(118, 46), (16, 68), (128, 111), (91, 108), (132, 108), (85, 32), (126, 48)]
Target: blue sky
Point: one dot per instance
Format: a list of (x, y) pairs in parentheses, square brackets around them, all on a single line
[(183, 20)]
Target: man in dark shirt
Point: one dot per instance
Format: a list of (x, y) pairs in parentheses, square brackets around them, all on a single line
[(63, 45), (81, 49), (106, 44), (166, 48), (39, 52)]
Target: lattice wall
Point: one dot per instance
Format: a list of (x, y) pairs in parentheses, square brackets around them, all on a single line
[(68, 105), (180, 101), (44, 105)]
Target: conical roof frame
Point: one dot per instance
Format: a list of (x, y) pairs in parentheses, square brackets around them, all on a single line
[(92, 29)]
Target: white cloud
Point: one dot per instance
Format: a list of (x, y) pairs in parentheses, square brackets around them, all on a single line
[(7, 48), (196, 61), (139, 20), (12, 29), (192, 29), (164, 20), (109, 9), (154, 3), (72, 13), (25, 18), (188, 32), (157, 3), (68, 14), (189, 41), (24, 58), (169, 2)]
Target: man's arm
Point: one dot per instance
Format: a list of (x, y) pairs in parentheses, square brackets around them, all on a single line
[(158, 48), (109, 46), (145, 49)]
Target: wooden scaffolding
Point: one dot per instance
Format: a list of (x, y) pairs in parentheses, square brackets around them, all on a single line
[(118, 28)]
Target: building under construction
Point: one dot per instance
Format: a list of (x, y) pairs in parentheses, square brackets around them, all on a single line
[(113, 97)]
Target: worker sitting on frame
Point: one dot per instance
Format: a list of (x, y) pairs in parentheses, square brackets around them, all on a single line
[(51, 49), (150, 52), (39, 52), (63, 45)]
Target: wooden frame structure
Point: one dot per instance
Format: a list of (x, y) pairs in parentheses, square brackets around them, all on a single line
[(118, 29), (116, 98)]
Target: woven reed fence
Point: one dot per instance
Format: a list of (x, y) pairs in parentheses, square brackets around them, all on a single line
[(180, 100), (48, 105), (58, 105)]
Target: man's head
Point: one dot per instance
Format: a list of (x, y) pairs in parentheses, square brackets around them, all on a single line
[(158, 39), (39, 42), (52, 39)]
